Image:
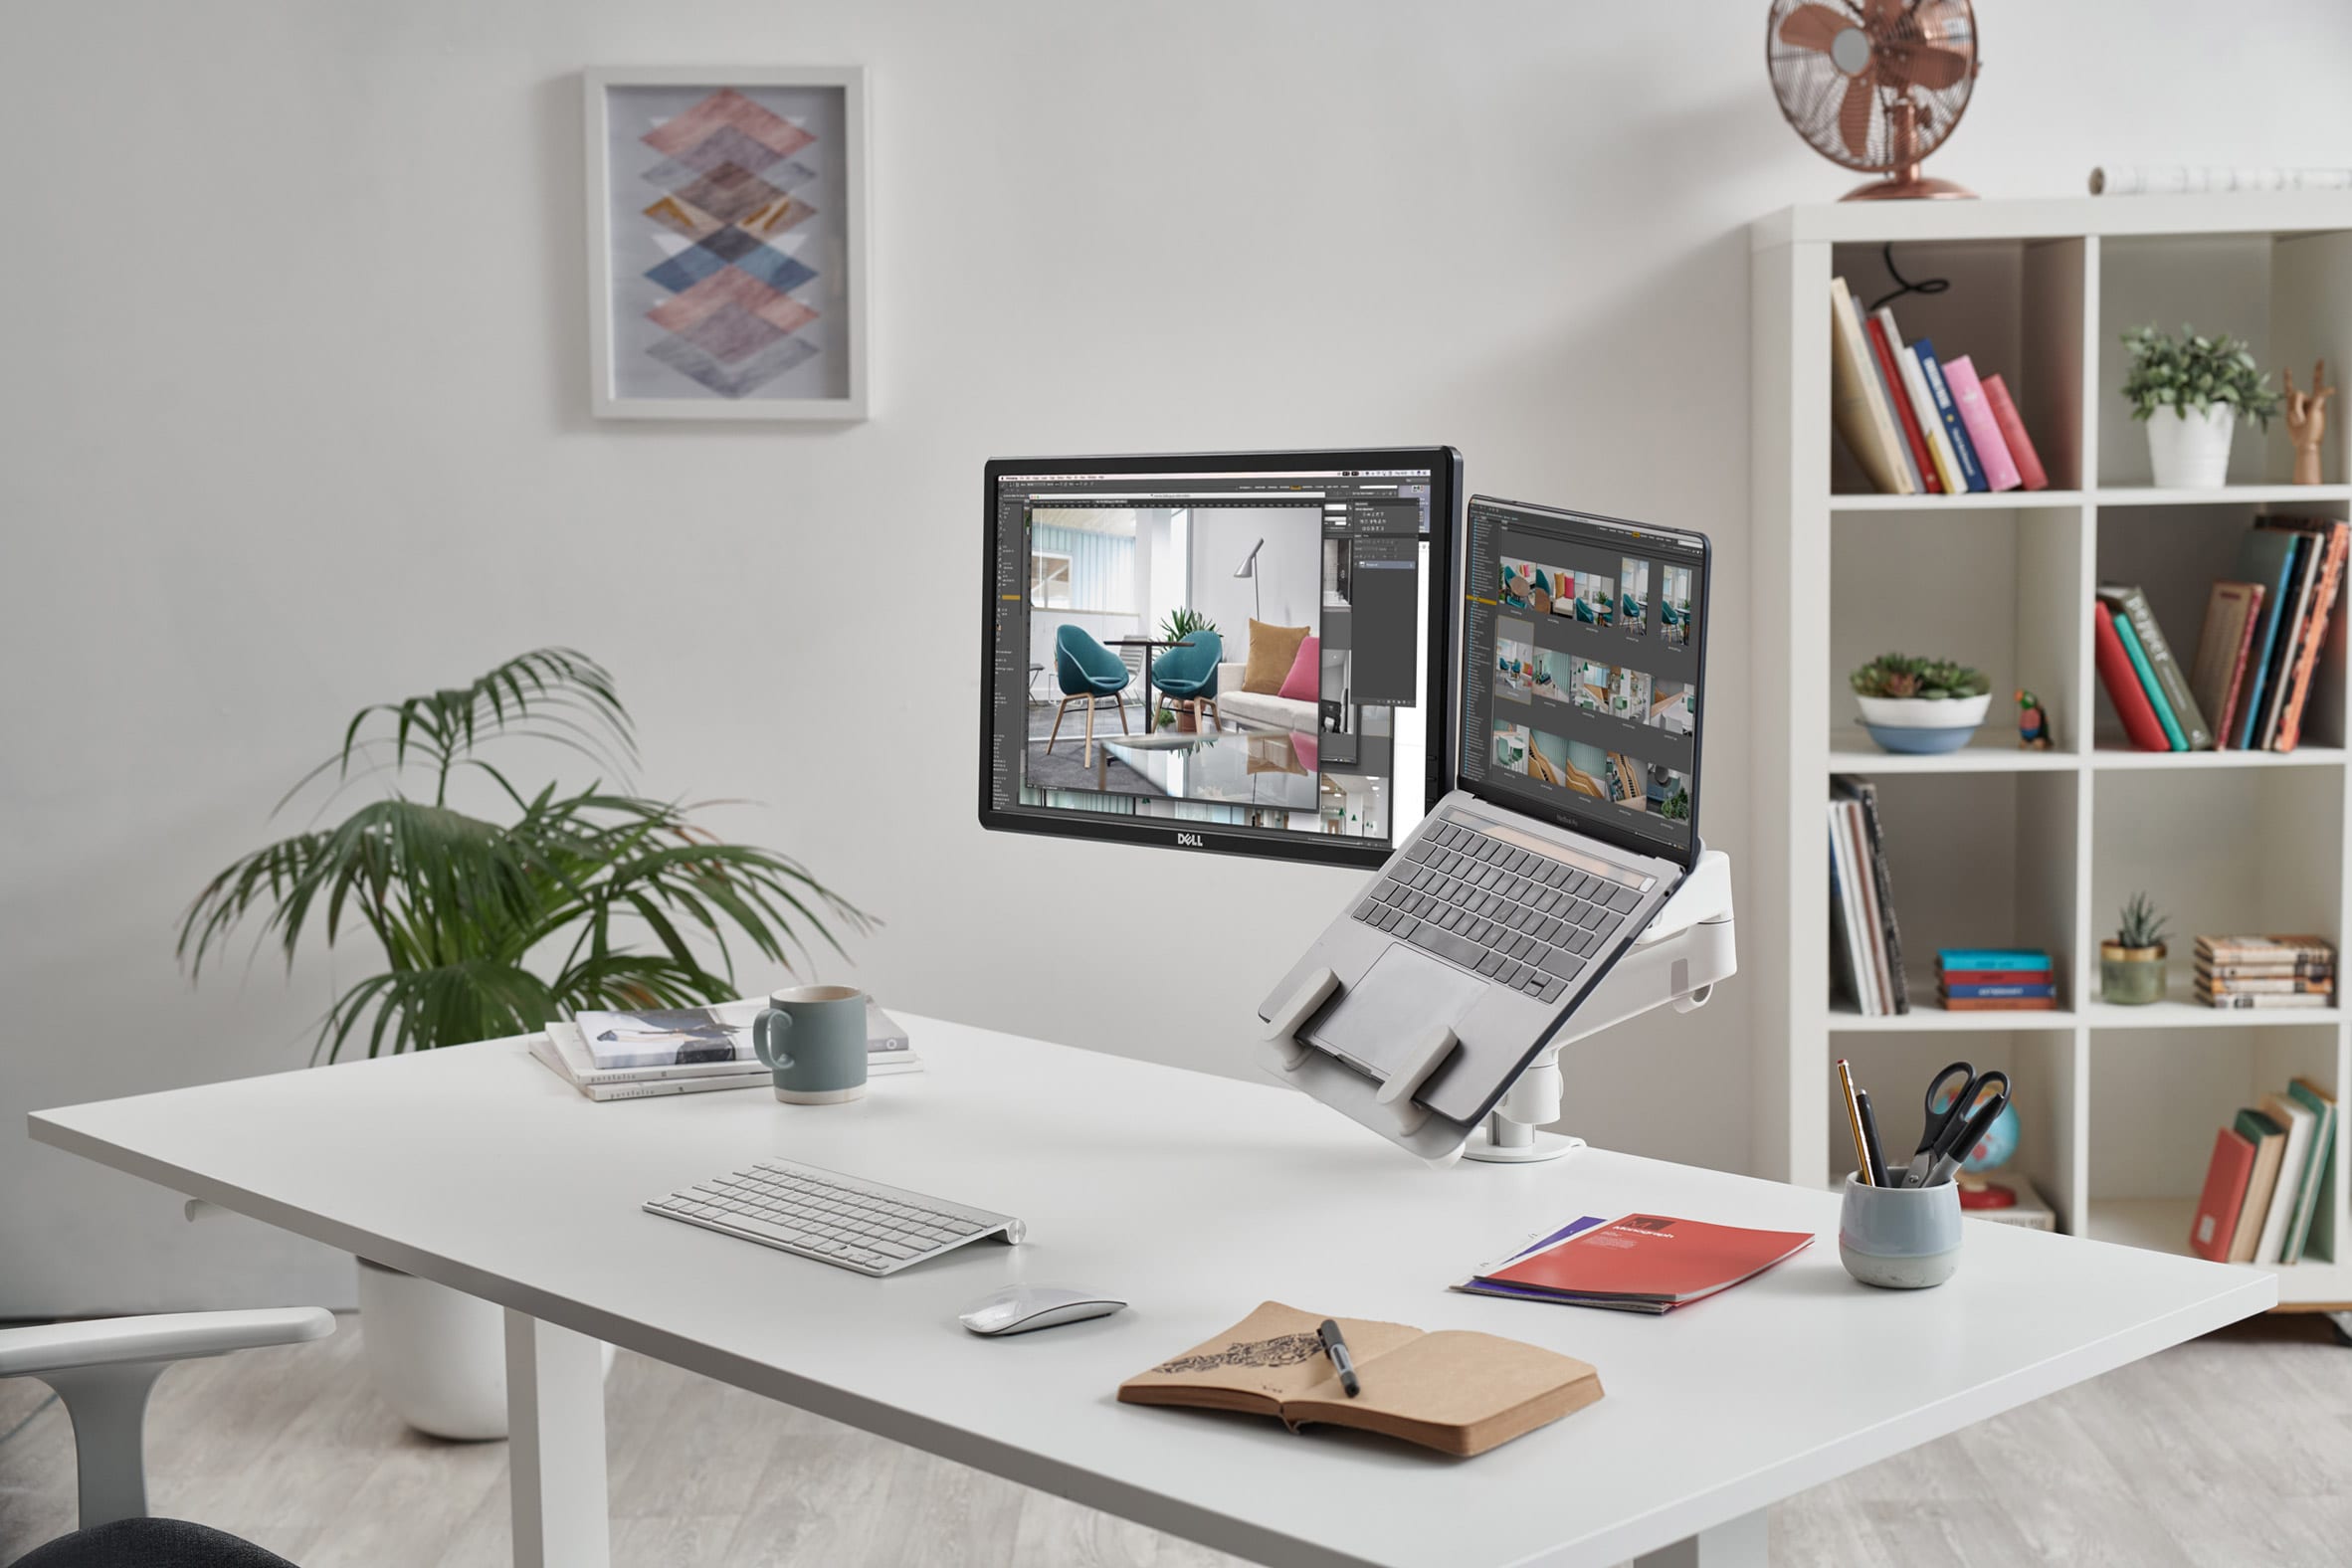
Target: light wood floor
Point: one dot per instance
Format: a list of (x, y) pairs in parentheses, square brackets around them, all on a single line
[(2233, 1450)]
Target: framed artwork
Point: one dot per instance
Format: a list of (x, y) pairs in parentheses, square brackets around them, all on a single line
[(726, 243)]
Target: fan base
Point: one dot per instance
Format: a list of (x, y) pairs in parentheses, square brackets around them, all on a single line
[(1909, 185)]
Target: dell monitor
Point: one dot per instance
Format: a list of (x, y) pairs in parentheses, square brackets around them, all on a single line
[(1234, 652)]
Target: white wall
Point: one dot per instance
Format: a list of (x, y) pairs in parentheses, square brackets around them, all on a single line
[(294, 419), (1287, 590)]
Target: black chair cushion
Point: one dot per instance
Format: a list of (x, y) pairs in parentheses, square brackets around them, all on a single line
[(150, 1543)]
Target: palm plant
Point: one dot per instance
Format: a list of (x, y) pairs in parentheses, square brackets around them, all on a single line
[(467, 909), (1178, 624)]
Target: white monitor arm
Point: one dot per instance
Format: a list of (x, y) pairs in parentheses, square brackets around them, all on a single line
[(1676, 963)]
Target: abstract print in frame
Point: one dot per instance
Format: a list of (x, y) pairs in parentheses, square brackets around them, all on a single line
[(726, 244)]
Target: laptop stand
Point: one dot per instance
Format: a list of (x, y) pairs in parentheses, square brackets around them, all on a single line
[(1675, 962)]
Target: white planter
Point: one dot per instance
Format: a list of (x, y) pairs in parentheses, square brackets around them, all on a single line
[(1921, 713), (2191, 452), (438, 1356)]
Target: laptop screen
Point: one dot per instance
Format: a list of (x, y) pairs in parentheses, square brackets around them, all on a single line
[(1584, 654)]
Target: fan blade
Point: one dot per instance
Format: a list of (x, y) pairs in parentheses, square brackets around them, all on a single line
[(1853, 115), (1813, 27), (1929, 66)]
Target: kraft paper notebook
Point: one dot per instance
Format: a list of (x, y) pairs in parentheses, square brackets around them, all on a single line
[(1457, 1392)]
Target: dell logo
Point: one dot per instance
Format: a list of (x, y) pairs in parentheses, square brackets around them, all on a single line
[(1189, 840)]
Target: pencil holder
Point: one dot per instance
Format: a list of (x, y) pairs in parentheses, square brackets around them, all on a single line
[(1899, 1237)]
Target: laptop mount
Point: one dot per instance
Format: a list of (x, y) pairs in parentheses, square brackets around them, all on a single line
[(1676, 963)]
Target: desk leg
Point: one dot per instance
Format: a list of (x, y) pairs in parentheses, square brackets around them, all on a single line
[(1735, 1543), (555, 1447)]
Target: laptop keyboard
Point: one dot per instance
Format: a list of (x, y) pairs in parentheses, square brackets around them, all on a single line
[(1516, 916)]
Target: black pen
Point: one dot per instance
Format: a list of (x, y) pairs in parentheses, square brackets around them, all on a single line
[(1336, 1348), (1869, 1127)]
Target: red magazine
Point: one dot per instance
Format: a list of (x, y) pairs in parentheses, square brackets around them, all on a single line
[(2216, 1223), (2013, 433), (1902, 407), (2123, 687), (1645, 1262)]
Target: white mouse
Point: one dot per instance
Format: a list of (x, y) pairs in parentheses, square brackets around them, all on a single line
[(1019, 1308)]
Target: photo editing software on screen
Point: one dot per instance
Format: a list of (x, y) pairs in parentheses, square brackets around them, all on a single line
[(1295, 706), (1583, 668)]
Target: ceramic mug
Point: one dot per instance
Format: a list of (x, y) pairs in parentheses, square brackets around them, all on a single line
[(813, 1038), (1899, 1237)]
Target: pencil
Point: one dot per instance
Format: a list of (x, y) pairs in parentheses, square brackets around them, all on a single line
[(1861, 1148)]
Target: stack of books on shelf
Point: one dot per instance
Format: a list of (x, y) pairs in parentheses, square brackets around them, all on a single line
[(2260, 643), (686, 1049), (2265, 971), (1865, 944), (2266, 1191), (1915, 423), (1996, 980)]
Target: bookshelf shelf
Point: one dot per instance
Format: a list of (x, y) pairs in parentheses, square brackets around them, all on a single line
[(2004, 500), (1991, 845), (1999, 753), (1927, 1018), (2226, 496)]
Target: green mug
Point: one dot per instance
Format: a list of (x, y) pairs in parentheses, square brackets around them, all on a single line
[(813, 1038)]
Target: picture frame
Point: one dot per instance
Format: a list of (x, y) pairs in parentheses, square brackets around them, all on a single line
[(727, 273)]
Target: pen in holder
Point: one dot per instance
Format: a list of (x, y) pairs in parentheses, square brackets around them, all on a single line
[(1899, 1237)]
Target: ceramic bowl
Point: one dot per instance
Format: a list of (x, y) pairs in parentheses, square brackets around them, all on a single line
[(1920, 712), (1919, 742)]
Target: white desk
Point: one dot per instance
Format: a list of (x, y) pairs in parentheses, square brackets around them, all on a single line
[(1194, 1195)]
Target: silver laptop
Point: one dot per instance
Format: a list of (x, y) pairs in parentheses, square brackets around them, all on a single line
[(1576, 709)]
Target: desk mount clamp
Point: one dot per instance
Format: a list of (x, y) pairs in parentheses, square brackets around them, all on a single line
[(1688, 949)]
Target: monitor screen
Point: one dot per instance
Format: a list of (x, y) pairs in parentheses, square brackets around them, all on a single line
[(1584, 654), (1221, 651)]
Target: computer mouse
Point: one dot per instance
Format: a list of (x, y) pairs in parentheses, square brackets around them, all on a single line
[(1019, 1308)]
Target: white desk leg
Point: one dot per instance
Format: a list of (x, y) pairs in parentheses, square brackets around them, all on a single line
[(555, 1446), (1735, 1543)]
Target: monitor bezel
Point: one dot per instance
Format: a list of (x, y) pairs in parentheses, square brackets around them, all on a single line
[(1607, 832), (1446, 498)]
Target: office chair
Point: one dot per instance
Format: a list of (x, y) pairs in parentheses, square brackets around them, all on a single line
[(102, 1371), (1187, 673), (1088, 671)]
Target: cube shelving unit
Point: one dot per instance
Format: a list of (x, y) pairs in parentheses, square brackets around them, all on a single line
[(1994, 844)]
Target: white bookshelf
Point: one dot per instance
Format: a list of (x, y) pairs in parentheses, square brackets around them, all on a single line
[(1992, 844)]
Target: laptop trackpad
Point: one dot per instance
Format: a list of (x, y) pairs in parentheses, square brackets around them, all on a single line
[(1389, 1013)]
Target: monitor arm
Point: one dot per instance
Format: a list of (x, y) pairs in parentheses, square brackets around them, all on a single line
[(1676, 963)]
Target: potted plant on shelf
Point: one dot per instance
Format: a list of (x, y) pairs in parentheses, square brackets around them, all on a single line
[(2189, 391), (492, 918), (1913, 705), (2131, 968)]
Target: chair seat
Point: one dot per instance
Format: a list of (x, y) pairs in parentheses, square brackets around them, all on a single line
[(150, 1543)]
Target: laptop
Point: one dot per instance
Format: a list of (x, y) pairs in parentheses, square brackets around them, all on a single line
[(1572, 813)]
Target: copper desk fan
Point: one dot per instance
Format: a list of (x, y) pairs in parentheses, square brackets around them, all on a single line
[(1875, 84)]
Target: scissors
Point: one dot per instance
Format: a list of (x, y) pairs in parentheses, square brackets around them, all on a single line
[(1962, 1105)]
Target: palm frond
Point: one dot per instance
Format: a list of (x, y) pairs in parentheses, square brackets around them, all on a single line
[(460, 903)]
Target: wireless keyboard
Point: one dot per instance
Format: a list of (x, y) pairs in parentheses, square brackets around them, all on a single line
[(846, 1221)]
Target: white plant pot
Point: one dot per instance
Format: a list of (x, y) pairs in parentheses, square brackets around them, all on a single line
[(2191, 452), (438, 1356), (1924, 712)]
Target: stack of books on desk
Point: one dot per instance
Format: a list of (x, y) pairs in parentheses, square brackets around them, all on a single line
[(1996, 980), (2265, 971), (688, 1049)]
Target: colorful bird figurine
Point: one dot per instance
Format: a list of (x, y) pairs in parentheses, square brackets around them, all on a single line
[(2033, 724)]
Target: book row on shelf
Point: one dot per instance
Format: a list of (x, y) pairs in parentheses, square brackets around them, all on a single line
[(2255, 654), (2265, 972), (2266, 1189), (1918, 424)]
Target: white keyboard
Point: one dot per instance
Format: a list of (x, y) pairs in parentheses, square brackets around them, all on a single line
[(846, 1221)]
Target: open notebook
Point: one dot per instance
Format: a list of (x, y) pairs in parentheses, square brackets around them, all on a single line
[(1453, 1391)]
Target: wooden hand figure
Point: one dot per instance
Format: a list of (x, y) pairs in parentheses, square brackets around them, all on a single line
[(2306, 421)]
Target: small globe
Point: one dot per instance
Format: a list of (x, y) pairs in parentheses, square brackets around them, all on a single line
[(1997, 1147)]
